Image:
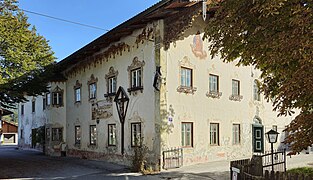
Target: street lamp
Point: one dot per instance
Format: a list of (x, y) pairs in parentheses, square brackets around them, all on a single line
[(272, 138), (121, 99)]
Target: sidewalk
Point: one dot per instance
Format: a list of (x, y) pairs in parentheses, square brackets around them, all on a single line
[(220, 170)]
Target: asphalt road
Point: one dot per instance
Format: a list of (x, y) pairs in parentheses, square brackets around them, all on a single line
[(26, 164)]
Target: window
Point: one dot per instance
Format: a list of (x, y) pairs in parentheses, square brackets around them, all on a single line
[(236, 133), (92, 91), (77, 95), (57, 98), (22, 137), (112, 135), (92, 87), (235, 87), (213, 83), (48, 99), (77, 91), (22, 109), (256, 91), (136, 78), (185, 77), (56, 134), (33, 106), (135, 134), (93, 135), (77, 134), (135, 71), (44, 103), (48, 134), (187, 134), (111, 79), (112, 85), (214, 133)]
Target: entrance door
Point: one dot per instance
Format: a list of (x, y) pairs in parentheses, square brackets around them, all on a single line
[(257, 138)]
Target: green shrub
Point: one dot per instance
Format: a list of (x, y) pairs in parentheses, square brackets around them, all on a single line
[(302, 170)]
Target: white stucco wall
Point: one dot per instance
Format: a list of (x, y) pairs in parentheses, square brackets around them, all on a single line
[(141, 105), (202, 110), (30, 120)]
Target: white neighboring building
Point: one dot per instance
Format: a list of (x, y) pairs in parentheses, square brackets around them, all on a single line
[(209, 108), (31, 116)]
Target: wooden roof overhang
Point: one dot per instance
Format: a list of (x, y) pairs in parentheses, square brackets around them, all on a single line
[(161, 10), (5, 112)]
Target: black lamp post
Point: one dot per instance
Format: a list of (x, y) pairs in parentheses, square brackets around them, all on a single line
[(121, 99), (272, 138)]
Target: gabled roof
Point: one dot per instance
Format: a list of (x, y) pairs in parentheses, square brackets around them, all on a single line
[(160, 10)]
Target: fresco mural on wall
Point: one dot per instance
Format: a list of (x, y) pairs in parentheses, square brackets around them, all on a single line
[(101, 110), (197, 46)]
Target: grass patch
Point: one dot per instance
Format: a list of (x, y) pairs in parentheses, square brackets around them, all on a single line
[(301, 170)]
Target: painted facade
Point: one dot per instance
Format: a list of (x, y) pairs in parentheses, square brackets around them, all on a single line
[(208, 107)]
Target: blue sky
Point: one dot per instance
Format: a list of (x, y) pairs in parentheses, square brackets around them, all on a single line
[(66, 38)]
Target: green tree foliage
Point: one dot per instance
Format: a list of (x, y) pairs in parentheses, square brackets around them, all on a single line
[(277, 38), (24, 56)]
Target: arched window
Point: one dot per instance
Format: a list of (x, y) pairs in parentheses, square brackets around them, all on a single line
[(256, 91)]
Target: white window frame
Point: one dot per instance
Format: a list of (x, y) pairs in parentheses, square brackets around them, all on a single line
[(136, 78), (58, 100), (187, 134), (112, 85), (78, 133), (77, 94), (111, 134), (57, 134), (93, 134), (214, 134), (236, 134), (48, 99), (213, 83), (256, 91), (93, 91), (136, 134), (235, 87), (185, 77)]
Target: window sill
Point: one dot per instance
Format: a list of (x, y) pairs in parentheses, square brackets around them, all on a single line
[(134, 90), (134, 146), (77, 145), (92, 146), (110, 96), (186, 89), (214, 94), (57, 106), (235, 97)]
